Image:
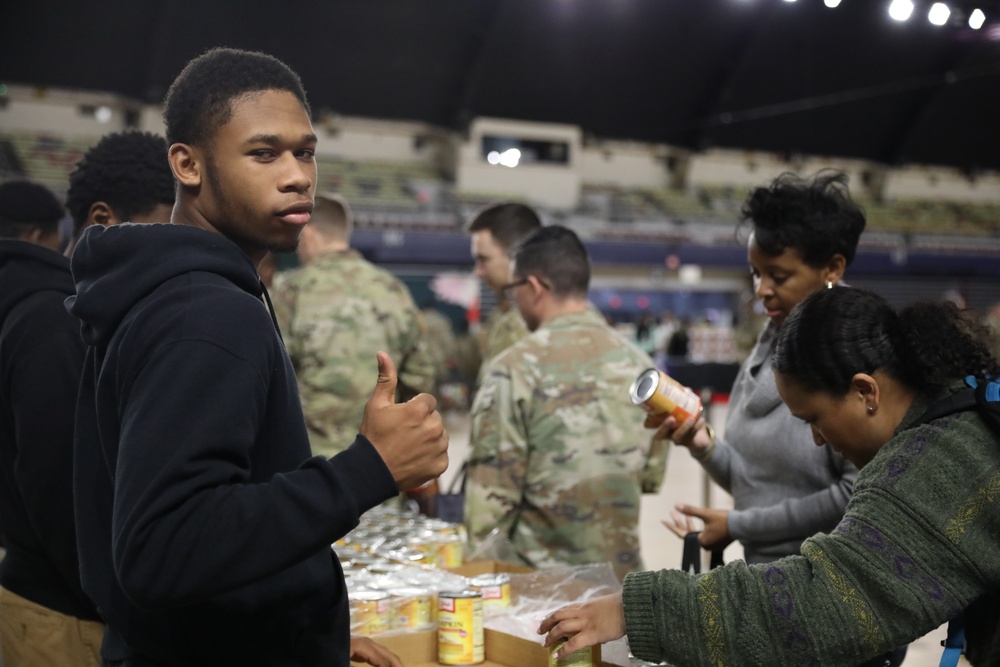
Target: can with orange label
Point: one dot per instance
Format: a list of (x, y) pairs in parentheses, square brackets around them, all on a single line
[(658, 393), (460, 628)]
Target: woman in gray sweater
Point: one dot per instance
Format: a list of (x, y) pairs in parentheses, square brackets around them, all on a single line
[(918, 541), (803, 235)]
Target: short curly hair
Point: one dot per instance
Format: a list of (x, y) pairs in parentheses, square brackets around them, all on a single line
[(128, 171), (817, 217), (199, 101), (25, 206)]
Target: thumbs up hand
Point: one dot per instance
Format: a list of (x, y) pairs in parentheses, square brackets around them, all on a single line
[(410, 437)]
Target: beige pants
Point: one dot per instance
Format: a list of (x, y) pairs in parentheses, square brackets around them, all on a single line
[(35, 636)]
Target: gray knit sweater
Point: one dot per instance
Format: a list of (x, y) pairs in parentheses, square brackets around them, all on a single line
[(784, 487), (919, 542)]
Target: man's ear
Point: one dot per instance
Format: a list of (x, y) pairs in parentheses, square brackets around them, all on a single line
[(101, 214), (536, 286), (187, 164)]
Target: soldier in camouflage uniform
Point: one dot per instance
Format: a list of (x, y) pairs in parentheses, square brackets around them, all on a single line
[(335, 314), (494, 231), (559, 456)]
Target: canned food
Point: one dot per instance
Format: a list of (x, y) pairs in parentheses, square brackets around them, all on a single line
[(385, 567), (371, 613), (460, 628), (364, 561), (414, 608), (658, 393), (449, 551), (494, 587), (585, 657)]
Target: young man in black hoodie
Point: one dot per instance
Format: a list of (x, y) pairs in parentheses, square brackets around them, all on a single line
[(204, 524), (45, 617)]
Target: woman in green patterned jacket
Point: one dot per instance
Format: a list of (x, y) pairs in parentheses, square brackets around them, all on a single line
[(918, 542)]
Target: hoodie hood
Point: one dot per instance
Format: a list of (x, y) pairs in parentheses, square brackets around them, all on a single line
[(27, 268), (115, 267)]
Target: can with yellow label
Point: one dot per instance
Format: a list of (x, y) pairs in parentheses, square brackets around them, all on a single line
[(460, 628), (494, 587), (414, 608), (585, 657), (371, 613)]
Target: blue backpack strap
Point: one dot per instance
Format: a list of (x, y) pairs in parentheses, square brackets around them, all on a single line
[(954, 645)]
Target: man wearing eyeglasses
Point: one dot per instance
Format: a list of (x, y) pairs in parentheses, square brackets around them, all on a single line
[(559, 457)]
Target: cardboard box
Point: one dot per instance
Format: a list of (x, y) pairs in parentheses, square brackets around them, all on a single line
[(419, 649), (478, 567)]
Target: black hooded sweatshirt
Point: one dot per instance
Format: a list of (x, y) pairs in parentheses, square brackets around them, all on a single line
[(41, 354), (204, 525)]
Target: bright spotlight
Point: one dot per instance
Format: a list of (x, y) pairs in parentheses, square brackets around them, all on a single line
[(510, 157), (900, 10), (103, 114), (977, 19), (939, 13), (789, 0), (831, 3), (493, 157)]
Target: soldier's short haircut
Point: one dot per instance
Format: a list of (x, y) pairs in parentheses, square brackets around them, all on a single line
[(332, 216), (26, 206), (506, 223), (200, 99), (556, 256)]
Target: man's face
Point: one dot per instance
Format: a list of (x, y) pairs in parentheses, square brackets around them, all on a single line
[(260, 171), (492, 264)]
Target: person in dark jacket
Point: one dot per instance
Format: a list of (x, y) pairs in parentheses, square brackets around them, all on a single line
[(45, 617), (204, 524), (124, 177)]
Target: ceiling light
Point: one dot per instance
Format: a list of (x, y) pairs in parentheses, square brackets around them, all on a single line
[(977, 19), (831, 3), (939, 13), (900, 10)]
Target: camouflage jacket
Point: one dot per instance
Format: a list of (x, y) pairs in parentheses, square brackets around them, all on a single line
[(335, 314), (504, 327), (559, 456)]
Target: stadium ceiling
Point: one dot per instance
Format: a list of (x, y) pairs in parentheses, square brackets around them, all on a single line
[(770, 75)]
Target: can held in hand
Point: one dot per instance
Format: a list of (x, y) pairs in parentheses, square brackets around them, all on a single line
[(584, 657), (460, 628), (658, 393)]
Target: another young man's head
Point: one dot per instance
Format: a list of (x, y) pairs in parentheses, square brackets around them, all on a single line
[(494, 231), (329, 230), (30, 212), (242, 149), (549, 268), (124, 178)]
